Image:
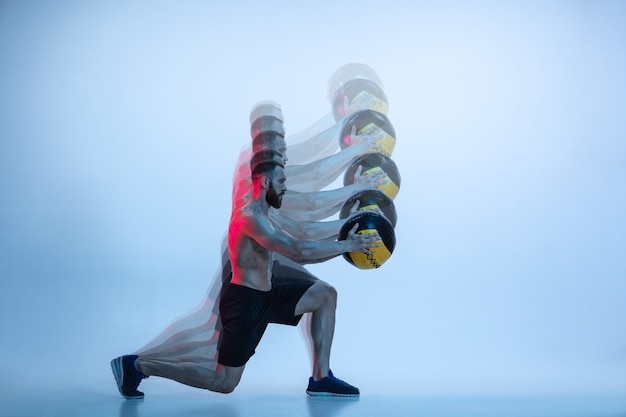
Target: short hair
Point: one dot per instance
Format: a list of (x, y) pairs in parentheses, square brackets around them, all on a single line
[(266, 156), (265, 108), (264, 140), (265, 168), (266, 124)]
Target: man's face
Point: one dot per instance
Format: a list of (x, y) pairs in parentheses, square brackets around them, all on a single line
[(276, 188)]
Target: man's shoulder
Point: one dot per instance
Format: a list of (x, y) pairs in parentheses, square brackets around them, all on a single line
[(246, 214), (242, 213)]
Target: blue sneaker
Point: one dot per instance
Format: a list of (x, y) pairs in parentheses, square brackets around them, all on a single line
[(331, 386), (127, 376)]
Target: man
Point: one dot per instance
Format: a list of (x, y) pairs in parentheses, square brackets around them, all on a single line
[(253, 299), (191, 343), (251, 240)]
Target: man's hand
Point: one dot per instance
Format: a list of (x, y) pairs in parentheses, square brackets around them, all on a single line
[(374, 179), (367, 141), (363, 101), (355, 207), (362, 242)]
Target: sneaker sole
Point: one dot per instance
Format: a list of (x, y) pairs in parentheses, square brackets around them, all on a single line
[(330, 394), (118, 372)]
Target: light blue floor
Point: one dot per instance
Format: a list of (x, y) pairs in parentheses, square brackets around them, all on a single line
[(104, 401)]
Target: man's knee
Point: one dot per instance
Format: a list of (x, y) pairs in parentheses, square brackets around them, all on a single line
[(327, 293), (320, 296), (226, 387), (332, 294), (227, 379)]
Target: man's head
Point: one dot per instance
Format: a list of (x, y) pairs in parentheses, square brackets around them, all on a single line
[(265, 108), (266, 124), (266, 156), (270, 141), (271, 177)]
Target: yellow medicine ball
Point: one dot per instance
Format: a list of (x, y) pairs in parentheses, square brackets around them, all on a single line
[(365, 93), (370, 199), (367, 121), (374, 162), (370, 221)]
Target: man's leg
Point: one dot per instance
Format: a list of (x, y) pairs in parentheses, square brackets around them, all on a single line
[(285, 268), (222, 379), (129, 371), (321, 301)]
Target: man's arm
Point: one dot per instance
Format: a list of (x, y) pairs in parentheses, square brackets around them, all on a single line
[(303, 206), (319, 145), (259, 228), (313, 215), (322, 138), (317, 175), (307, 230)]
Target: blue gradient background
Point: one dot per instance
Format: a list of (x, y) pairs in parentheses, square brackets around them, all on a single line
[(120, 123)]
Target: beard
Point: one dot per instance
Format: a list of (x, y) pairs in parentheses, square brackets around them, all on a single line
[(273, 198)]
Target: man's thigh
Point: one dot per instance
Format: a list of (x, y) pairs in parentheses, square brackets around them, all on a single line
[(315, 297)]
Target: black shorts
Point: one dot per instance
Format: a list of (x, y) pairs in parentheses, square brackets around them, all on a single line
[(280, 269), (246, 312)]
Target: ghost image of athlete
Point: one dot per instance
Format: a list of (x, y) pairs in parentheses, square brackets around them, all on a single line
[(189, 346)]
